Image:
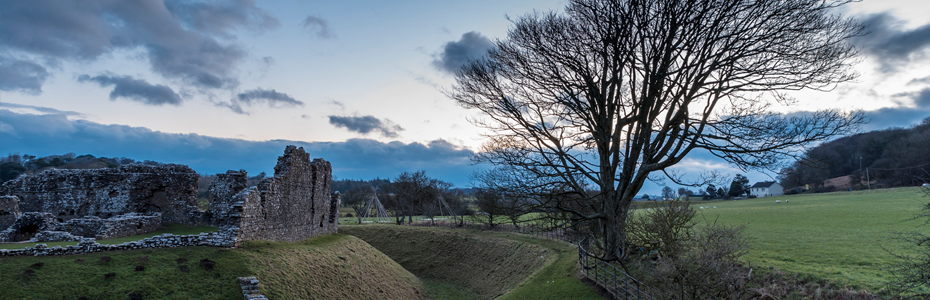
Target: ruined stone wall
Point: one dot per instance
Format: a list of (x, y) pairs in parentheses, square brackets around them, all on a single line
[(44, 227), (168, 189), (222, 190), (293, 205), (9, 211)]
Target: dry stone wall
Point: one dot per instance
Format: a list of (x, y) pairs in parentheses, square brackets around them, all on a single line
[(89, 245)]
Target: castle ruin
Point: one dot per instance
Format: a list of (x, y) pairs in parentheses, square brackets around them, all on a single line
[(64, 205)]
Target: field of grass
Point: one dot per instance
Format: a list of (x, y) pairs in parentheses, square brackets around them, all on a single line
[(115, 275), (839, 236), (176, 229), (466, 264)]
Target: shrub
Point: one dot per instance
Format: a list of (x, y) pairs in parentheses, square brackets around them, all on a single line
[(691, 260)]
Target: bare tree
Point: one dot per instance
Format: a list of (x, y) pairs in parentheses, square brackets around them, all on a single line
[(608, 92), (358, 199)]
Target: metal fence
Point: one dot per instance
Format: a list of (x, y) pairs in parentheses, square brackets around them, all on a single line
[(613, 279)]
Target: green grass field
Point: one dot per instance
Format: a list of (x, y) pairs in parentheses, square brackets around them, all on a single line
[(839, 236)]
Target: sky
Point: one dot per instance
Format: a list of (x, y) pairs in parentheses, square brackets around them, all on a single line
[(222, 85)]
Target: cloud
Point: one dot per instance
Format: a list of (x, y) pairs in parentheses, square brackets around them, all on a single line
[(20, 75), (178, 39), (218, 17), (890, 45), (454, 54), (43, 135), (272, 97), (318, 27), (249, 98), (42, 109), (135, 89), (925, 80), (366, 124)]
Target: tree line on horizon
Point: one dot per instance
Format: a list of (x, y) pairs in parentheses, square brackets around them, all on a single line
[(888, 158)]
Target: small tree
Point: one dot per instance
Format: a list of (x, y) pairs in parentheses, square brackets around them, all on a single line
[(710, 192), (668, 193), (358, 198), (739, 186)]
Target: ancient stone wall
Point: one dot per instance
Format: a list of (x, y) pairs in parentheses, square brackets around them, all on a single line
[(222, 190), (89, 245), (44, 227), (57, 205), (168, 189), (9, 211), (293, 205)]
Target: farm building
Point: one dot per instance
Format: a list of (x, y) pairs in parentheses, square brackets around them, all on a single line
[(766, 189)]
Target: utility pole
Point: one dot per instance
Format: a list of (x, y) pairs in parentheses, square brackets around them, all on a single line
[(867, 179)]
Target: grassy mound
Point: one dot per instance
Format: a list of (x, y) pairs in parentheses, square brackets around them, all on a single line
[(486, 267), (336, 266), (329, 267)]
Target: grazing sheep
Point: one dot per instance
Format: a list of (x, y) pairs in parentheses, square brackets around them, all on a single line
[(786, 201), (777, 201)]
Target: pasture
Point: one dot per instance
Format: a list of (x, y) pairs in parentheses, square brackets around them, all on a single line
[(840, 236)]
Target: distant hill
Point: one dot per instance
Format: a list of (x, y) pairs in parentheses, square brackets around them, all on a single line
[(893, 157)]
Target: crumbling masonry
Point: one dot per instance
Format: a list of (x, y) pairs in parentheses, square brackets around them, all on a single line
[(60, 205)]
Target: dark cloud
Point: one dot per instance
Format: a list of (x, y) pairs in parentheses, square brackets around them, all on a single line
[(135, 89), (471, 46), (250, 98), (366, 124), (892, 46), (219, 17), (21, 75), (318, 27), (925, 80), (355, 158), (179, 39), (922, 98), (272, 97)]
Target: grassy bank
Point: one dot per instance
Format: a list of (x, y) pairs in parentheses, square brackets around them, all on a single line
[(329, 267), (335, 266), (460, 264)]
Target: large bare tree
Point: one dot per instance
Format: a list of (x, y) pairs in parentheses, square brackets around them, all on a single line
[(594, 100)]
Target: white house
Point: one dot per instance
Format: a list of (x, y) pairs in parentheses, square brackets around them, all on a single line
[(766, 189)]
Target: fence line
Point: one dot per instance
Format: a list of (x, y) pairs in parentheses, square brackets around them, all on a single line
[(608, 276)]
